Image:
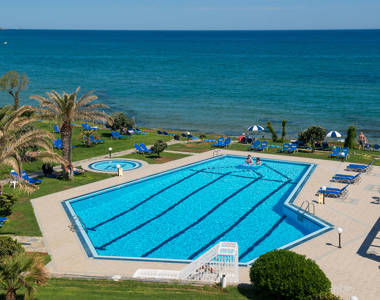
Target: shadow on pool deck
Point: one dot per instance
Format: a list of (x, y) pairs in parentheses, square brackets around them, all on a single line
[(371, 246)]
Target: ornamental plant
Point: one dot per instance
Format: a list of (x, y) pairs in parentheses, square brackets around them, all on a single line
[(274, 134), (159, 147), (282, 274), (349, 142)]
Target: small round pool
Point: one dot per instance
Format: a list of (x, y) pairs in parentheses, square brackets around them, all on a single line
[(110, 165)]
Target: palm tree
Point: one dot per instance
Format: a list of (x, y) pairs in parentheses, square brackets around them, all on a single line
[(13, 139), (21, 271), (65, 109)]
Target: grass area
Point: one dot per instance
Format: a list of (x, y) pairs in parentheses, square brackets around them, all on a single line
[(81, 151), (154, 159), (61, 288), (22, 221), (196, 147)]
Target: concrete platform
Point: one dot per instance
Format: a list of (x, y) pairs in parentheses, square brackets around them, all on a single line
[(351, 273)]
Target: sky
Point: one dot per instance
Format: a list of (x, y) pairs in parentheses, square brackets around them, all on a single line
[(190, 14)]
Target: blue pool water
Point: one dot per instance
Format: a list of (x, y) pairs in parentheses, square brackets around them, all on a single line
[(110, 165), (180, 214)]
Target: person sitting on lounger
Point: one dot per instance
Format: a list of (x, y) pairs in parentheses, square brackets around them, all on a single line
[(249, 160), (258, 161)]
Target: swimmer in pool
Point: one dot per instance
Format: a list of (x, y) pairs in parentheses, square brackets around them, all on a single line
[(258, 161), (249, 160)]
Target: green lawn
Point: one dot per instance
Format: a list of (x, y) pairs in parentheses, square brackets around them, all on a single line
[(81, 151), (60, 288), (22, 221), (154, 159), (196, 147)]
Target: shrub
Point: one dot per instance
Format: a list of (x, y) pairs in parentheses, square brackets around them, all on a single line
[(351, 136), (274, 134), (120, 120), (202, 136), (159, 147), (6, 203), (311, 135), (282, 274), (176, 137), (283, 134), (8, 246)]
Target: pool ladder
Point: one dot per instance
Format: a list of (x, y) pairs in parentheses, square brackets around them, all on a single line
[(217, 152), (302, 211), (81, 222)]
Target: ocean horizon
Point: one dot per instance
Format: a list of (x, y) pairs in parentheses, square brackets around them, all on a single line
[(213, 80)]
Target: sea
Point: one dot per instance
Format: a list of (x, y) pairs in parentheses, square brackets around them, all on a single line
[(209, 81)]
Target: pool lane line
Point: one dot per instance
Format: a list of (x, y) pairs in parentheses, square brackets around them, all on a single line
[(144, 201), (161, 213), (263, 238), (247, 177), (201, 218), (213, 241), (274, 170)]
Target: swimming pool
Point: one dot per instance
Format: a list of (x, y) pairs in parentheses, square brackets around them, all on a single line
[(110, 165), (179, 214)]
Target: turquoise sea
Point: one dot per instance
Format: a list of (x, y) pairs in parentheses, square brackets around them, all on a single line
[(214, 81)]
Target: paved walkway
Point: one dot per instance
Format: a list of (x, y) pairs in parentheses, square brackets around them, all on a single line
[(31, 243), (351, 271)]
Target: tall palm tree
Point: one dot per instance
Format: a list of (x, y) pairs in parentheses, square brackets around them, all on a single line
[(21, 271), (67, 108), (13, 139)]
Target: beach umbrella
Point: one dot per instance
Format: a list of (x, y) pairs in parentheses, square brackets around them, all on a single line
[(256, 128), (334, 134)]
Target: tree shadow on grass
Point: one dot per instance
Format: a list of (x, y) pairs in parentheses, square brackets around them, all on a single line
[(247, 291)]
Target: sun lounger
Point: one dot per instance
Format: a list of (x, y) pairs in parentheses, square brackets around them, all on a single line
[(117, 135), (58, 144), (291, 149), (359, 168), (334, 192), (95, 141), (26, 177), (138, 131), (138, 149), (264, 144), (219, 143), (88, 127), (56, 129), (335, 152), (284, 148), (346, 178), (227, 142), (145, 149), (255, 145)]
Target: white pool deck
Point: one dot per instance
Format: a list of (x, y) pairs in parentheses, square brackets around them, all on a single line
[(350, 273)]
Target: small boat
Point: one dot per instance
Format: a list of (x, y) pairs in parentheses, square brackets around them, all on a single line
[(5, 43)]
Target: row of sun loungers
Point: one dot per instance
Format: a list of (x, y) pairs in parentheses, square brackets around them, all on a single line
[(339, 152), (345, 178), (221, 142), (25, 177), (142, 149)]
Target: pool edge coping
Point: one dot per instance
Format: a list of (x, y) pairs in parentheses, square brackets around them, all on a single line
[(287, 203)]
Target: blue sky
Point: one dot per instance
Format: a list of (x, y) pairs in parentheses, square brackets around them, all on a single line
[(190, 14)]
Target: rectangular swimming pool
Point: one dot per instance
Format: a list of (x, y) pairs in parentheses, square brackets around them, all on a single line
[(179, 214)]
